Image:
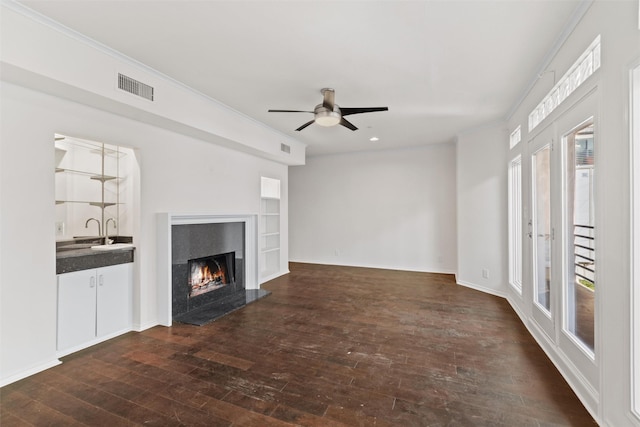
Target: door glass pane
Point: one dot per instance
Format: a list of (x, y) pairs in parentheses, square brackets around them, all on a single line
[(580, 249), (515, 224), (542, 227)]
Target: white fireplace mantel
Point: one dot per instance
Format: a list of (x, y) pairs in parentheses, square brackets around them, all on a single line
[(166, 220)]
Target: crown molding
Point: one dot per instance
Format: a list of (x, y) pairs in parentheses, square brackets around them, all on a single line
[(27, 12), (570, 25)]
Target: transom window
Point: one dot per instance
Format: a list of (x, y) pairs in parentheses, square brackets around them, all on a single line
[(584, 67), (515, 137)]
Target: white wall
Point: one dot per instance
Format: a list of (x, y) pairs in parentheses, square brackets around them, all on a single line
[(482, 209), (27, 242), (37, 52), (386, 209), (193, 154), (177, 174), (617, 23)]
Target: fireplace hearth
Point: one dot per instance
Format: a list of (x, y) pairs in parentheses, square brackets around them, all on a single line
[(217, 309)]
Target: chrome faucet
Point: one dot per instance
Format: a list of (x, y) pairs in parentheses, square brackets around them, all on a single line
[(106, 230), (86, 225)]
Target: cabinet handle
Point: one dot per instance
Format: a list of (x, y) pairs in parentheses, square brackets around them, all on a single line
[(92, 282), (100, 281)]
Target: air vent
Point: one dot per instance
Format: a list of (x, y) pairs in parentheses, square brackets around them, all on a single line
[(135, 87), (285, 148)]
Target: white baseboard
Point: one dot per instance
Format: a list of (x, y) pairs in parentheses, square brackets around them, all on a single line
[(516, 308), (578, 383), (93, 342), (139, 327), (451, 272), (273, 276), (28, 372), (484, 289), (377, 266)]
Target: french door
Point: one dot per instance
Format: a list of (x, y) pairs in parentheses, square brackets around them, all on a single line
[(563, 234), (577, 131), (544, 201)]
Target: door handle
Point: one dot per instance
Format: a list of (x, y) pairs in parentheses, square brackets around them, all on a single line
[(100, 280), (92, 282)]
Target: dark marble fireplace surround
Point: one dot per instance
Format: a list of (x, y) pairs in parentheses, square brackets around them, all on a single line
[(191, 241)]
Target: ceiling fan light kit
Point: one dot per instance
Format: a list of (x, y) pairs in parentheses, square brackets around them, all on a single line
[(326, 117), (329, 113)]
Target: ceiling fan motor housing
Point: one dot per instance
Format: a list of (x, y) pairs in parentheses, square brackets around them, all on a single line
[(326, 117)]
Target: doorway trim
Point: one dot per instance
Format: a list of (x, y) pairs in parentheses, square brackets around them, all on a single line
[(634, 151)]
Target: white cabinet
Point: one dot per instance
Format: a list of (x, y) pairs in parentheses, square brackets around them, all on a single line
[(93, 305), (114, 300), (76, 308)]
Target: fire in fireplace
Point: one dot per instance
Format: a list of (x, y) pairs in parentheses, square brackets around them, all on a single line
[(210, 273)]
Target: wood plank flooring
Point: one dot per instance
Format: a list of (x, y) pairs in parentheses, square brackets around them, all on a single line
[(332, 346)]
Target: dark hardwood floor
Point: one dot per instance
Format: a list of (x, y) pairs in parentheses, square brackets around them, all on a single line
[(331, 346)]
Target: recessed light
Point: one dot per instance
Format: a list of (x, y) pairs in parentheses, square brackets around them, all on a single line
[(374, 139)]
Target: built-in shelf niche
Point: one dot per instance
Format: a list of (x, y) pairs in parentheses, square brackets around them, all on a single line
[(269, 227), (91, 182)]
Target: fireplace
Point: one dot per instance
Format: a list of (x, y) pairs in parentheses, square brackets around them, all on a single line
[(209, 273), (213, 266)]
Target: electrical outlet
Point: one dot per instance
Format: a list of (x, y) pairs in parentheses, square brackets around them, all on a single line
[(59, 229), (485, 273)]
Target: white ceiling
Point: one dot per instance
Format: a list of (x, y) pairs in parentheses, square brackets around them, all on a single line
[(442, 67)]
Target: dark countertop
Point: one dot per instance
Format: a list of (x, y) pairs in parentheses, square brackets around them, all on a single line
[(82, 257)]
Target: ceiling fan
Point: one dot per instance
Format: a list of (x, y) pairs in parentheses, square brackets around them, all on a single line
[(329, 113)]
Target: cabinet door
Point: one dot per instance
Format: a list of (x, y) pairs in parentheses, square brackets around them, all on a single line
[(114, 299), (76, 308)]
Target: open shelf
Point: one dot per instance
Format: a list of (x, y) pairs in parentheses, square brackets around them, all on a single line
[(103, 178), (91, 175), (102, 205), (269, 236), (87, 176), (98, 204)]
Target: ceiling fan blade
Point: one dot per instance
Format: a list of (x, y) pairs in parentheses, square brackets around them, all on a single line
[(344, 122), (329, 98), (288, 111), (347, 111), (305, 125)]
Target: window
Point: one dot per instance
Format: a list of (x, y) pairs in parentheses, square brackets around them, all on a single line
[(515, 223), (515, 137), (541, 227), (584, 67), (580, 242)]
